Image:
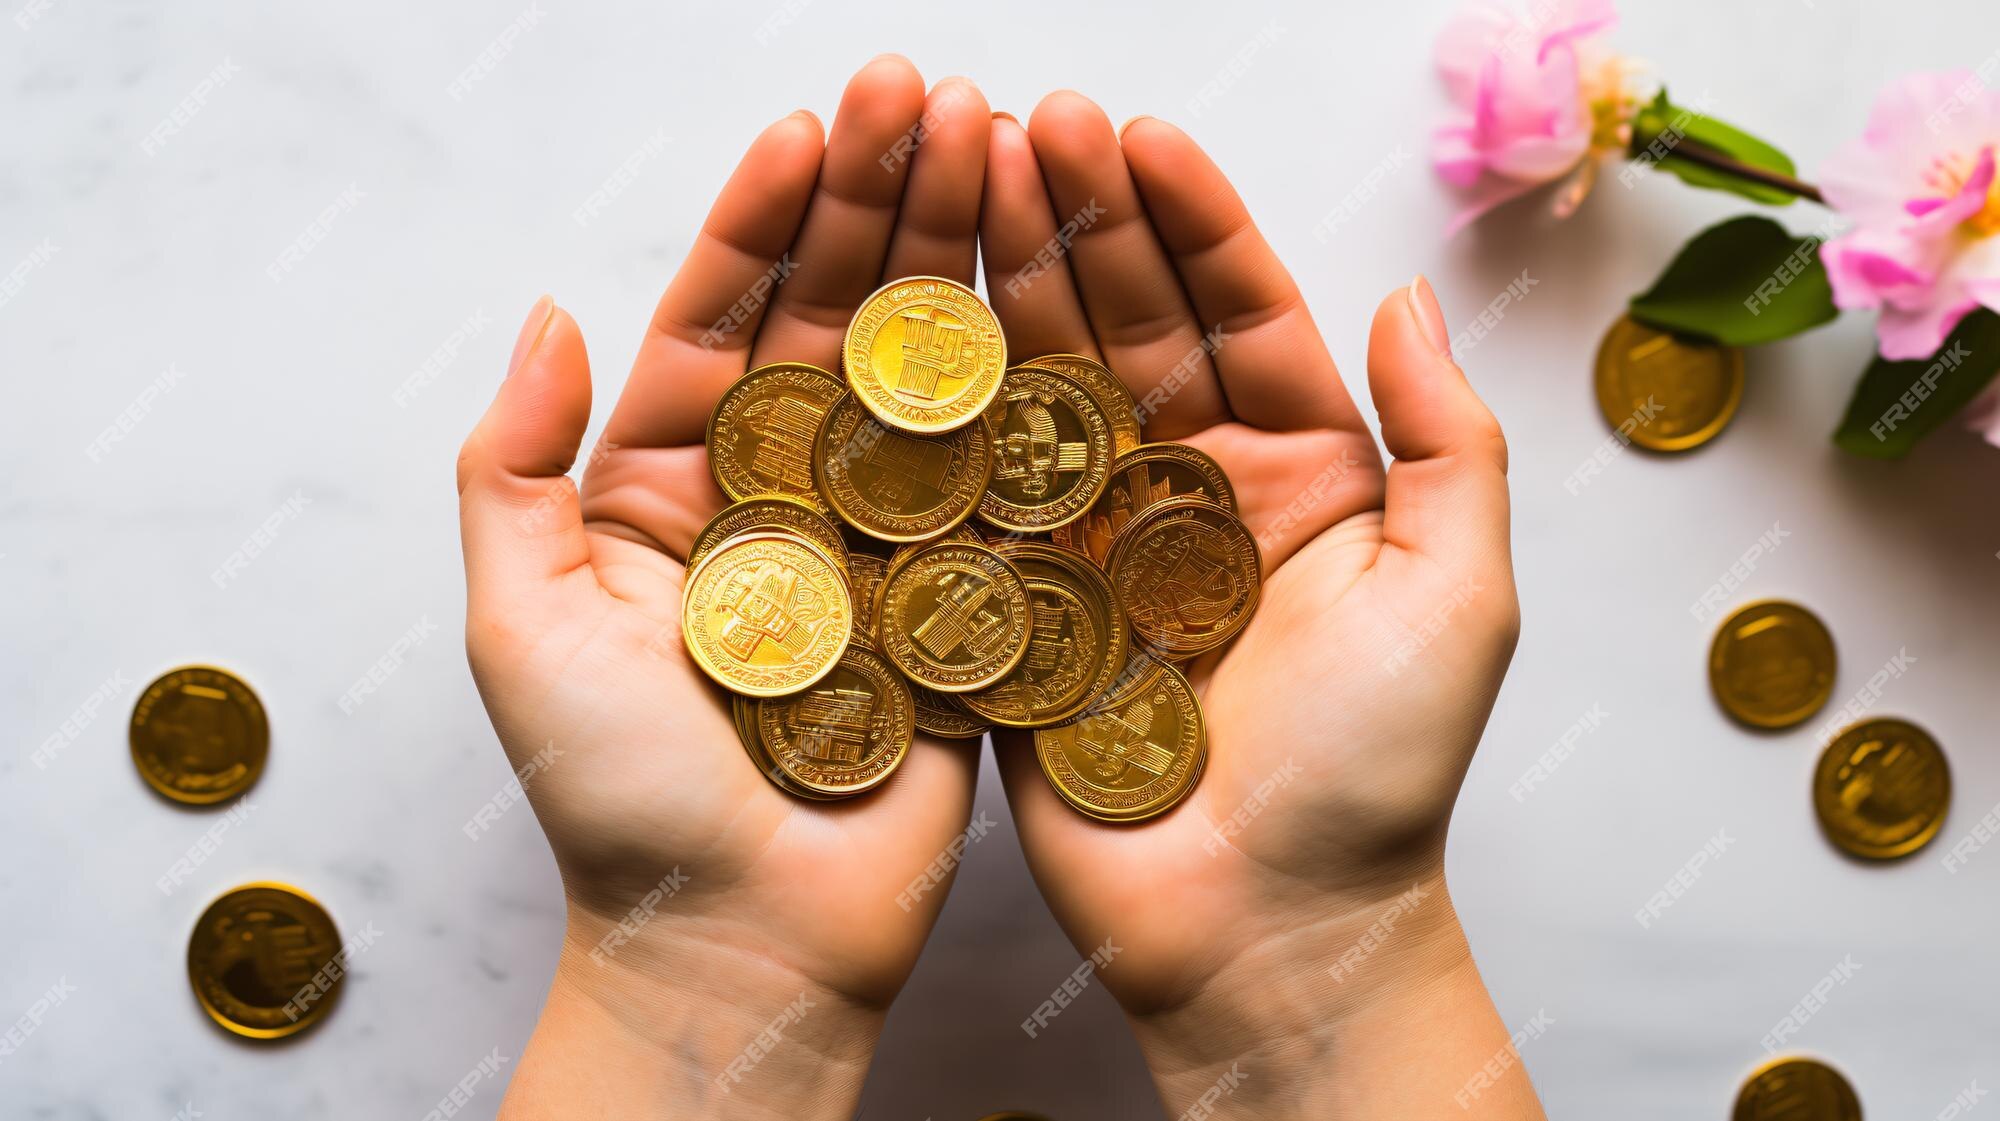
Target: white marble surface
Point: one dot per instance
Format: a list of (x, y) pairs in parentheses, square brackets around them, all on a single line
[(465, 211)]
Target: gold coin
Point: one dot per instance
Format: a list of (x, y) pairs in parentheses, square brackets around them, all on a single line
[(1140, 479), (774, 512), (1052, 452), (1772, 664), (1665, 392), (845, 735), (1188, 574), (1135, 752), (942, 715), (895, 486), (259, 960), (1104, 386), (1077, 641), (1882, 789), (865, 572), (953, 616), (745, 712), (199, 736), (766, 615), (1794, 1089), (924, 355), (760, 435)]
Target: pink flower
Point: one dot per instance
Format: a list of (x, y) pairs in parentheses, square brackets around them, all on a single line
[(1921, 192), (1534, 102)]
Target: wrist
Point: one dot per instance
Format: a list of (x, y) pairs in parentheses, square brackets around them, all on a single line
[(666, 1025)]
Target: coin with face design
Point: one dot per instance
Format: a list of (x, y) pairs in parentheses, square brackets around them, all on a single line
[(924, 355), (954, 616), (766, 614), (198, 735), (1135, 752), (1882, 789), (1143, 478), (1110, 394), (1188, 574), (1077, 640), (1052, 452), (265, 961), (760, 435), (844, 735), (1795, 1089), (895, 486), (1772, 664)]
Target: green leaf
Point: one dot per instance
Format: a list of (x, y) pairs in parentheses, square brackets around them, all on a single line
[(1741, 283), (1897, 403), (1662, 135)]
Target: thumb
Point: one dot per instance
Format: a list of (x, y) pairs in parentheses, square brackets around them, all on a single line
[(518, 512), (1447, 489)]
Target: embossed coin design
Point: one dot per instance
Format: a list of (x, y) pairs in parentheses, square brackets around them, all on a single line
[(1664, 392), (258, 959), (1135, 752), (1882, 789), (766, 615), (1772, 664), (954, 616), (894, 486), (1139, 480), (760, 435), (777, 512), (1104, 386), (1077, 642), (924, 355), (1188, 574), (1052, 452), (198, 735), (1794, 1089), (943, 715), (845, 735)]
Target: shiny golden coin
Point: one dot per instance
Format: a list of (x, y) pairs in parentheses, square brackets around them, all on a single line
[(199, 736), (779, 513), (1882, 789), (766, 615), (847, 734), (1139, 480), (865, 572), (1076, 644), (745, 712), (1104, 386), (894, 486), (953, 616), (1052, 452), (1664, 392), (1772, 664), (1188, 574), (942, 715), (760, 435), (1794, 1089), (924, 355), (1135, 752), (265, 961)]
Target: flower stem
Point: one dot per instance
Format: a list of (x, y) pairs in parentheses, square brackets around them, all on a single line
[(1696, 152)]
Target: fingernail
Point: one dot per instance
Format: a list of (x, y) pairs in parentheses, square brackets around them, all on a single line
[(531, 332), (1130, 123), (1003, 115), (1424, 306)]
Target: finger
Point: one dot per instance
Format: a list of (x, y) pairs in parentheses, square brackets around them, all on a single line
[(1272, 360), (518, 512), (937, 224), (1447, 491), (1032, 289), (845, 237), (1138, 312)]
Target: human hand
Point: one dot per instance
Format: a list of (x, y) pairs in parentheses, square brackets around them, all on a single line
[(751, 902), (1342, 720)]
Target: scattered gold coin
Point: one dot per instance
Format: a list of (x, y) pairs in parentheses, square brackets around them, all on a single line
[(1664, 392), (258, 960), (1077, 641), (760, 435), (1188, 575), (199, 736), (773, 512), (767, 614), (1052, 452), (924, 355), (1772, 664), (1794, 1089), (845, 735), (895, 486), (1142, 478), (1135, 752), (1882, 789), (954, 616), (1110, 393)]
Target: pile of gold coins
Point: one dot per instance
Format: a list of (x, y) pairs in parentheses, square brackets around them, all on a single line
[(265, 959), (933, 540)]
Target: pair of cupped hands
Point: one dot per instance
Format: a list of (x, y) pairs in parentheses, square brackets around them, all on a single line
[(732, 950)]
